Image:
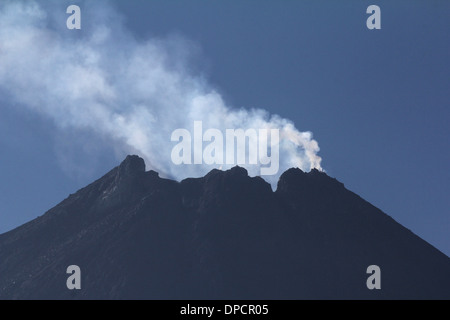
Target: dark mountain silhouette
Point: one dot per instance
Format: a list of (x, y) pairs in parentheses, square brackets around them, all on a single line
[(223, 236)]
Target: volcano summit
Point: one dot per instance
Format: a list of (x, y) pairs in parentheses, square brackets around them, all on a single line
[(223, 236)]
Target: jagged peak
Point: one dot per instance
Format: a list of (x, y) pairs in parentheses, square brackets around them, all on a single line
[(131, 165), (294, 178), (134, 165), (317, 171), (239, 171)]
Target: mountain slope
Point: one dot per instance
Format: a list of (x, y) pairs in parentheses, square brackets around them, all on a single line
[(222, 236)]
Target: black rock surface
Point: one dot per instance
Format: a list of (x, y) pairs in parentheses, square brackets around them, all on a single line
[(224, 236)]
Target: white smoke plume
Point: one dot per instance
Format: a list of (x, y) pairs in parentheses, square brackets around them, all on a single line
[(133, 92)]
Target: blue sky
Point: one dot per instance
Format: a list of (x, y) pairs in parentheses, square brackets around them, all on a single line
[(376, 100)]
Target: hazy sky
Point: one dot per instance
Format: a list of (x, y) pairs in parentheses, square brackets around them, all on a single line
[(376, 101)]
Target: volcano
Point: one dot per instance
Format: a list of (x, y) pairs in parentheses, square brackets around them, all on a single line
[(226, 235)]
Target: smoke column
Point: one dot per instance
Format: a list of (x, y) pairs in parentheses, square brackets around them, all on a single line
[(133, 92)]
